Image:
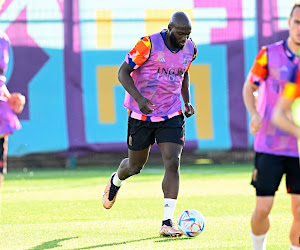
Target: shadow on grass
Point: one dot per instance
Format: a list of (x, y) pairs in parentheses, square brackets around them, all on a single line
[(161, 239), (171, 239), (51, 244)]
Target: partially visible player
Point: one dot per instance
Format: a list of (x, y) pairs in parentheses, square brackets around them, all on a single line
[(276, 150), (282, 115), (155, 74), (10, 105)]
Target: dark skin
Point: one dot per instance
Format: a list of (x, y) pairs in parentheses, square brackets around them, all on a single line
[(177, 34)]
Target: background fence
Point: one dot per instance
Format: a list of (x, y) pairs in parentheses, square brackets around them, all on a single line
[(65, 57)]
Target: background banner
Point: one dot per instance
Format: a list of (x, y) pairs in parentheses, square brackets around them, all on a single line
[(65, 56)]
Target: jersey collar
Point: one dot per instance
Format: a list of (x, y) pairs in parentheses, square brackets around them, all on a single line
[(163, 34), (289, 53)]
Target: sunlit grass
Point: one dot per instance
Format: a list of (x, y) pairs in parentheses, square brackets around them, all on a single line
[(62, 209)]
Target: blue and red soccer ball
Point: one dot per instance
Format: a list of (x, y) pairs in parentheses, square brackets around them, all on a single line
[(191, 222)]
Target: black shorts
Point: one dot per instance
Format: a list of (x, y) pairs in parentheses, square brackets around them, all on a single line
[(269, 170), (3, 152), (142, 134)]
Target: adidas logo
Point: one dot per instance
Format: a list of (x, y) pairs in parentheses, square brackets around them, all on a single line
[(162, 60), (167, 205)]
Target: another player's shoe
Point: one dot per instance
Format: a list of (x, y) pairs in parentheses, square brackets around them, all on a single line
[(167, 229), (110, 193)]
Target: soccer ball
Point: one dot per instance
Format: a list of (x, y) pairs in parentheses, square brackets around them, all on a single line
[(191, 222)]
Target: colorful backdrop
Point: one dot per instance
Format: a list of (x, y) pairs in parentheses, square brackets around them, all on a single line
[(65, 57)]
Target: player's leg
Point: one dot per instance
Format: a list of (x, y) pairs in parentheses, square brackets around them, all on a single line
[(295, 228), (139, 138), (128, 167), (171, 154), (3, 156), (293, 187), (266, 179), (133, 164), (260, 222), (170, 139)]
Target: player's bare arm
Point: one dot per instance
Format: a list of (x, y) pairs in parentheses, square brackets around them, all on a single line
[(185, 93), (128, 84), (282, 116), (6, 91), (249, 90)]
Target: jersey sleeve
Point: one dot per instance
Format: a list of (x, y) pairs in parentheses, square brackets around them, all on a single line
[(140, 53), (259, 70), (194, 56)]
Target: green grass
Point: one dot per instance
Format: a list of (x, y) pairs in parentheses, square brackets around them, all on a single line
[(62, 209)]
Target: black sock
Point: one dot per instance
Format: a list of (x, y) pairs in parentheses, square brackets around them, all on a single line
[(167, 222)]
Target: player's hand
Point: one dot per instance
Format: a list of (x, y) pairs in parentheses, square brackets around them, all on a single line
[(16, 102), (255, 123), (144, 106), (188, 109)]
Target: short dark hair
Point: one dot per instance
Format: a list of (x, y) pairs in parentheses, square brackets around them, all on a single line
[(296, 5)]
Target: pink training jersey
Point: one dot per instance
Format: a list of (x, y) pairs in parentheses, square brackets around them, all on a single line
[(9, 121), (4, 52), (271, 71), (158, 76)]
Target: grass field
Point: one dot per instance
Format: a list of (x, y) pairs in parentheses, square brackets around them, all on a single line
[(62, 209)]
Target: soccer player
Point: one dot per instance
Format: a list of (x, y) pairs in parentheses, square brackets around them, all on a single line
[(276, 151), (283, 118), (154, 75), (10, 104)]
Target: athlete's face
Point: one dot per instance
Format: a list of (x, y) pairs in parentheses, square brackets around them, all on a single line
[(294, 26), (179, 36)]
